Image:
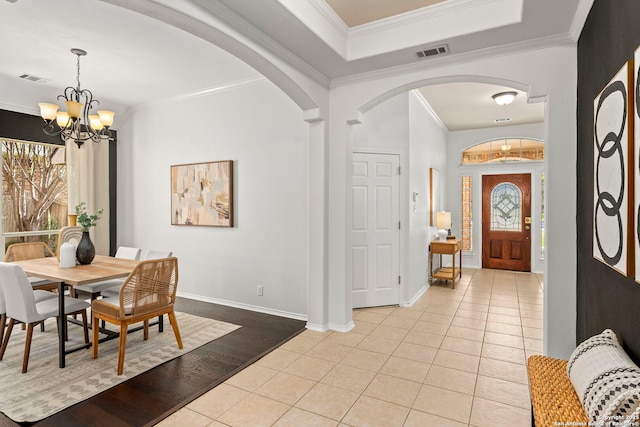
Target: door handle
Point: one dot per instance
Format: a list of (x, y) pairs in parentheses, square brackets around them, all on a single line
[(526, 227)]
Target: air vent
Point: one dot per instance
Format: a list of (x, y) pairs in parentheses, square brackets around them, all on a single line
[(36, 79), (433, 51)]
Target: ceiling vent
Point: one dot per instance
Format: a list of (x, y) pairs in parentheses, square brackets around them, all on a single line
[(36, 79), (433, 51)]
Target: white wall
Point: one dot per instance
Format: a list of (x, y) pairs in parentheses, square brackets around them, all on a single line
[(461, 140), (404, 125), (428, 149), (263, 132)]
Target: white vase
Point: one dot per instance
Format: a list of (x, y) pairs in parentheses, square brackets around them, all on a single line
[(67, 255)]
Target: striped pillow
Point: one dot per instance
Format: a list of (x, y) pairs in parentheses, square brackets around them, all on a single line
[(606, 380)]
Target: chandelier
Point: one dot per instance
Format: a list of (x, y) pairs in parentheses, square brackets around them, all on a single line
[(77, 123)]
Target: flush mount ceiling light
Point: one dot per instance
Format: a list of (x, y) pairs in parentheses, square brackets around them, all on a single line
[(504, 98), (77, 123)]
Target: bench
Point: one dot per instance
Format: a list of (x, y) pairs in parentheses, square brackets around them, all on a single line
[(554, 401)]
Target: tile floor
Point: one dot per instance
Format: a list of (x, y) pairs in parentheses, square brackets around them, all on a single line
[(455, 358)]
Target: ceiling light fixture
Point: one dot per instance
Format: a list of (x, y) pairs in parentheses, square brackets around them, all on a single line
[(504, 98), (77, 123)]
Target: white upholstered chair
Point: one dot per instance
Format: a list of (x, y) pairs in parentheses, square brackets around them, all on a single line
[(95, 289), (39, 295), (21, 306)]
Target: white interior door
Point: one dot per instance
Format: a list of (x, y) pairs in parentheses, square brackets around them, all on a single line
[(375, 234)]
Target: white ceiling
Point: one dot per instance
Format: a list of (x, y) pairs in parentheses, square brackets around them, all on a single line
[(134, 60)]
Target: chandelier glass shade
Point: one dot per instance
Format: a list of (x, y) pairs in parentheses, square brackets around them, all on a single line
[(504, 98), (77, 123)]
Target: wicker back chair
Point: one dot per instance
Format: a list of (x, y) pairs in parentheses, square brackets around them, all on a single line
[(31, 250), (148, 291), (28, 250)]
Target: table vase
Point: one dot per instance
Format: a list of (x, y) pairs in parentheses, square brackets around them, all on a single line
[(85, 251)]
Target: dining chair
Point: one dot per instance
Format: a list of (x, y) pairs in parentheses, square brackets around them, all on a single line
[(31, 250), (21, 306), (39, 295), (95, 289), (148, 291), (69, 233), (114, 291)]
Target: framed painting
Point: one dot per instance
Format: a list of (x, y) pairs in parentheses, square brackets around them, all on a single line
[(613, 144), (434, 194), (202, 194)]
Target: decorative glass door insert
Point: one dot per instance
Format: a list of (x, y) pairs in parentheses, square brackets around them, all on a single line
[(506, 207)]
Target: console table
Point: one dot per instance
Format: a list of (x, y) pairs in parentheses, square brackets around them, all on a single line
[(449, 247)]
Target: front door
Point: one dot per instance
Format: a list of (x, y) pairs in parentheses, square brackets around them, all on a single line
[(375, 234), (506, 222)]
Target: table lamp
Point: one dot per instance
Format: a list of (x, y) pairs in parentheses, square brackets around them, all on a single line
[(443, 222)]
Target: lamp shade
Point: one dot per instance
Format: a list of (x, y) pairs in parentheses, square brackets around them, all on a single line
[(504, 98), (62, 118), (443, 220), (106, 117), (94, 121), (48, 111), (74, 109)]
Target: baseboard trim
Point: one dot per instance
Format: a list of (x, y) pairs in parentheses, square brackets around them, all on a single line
[(416, 297), (317, 328), (249, 307)]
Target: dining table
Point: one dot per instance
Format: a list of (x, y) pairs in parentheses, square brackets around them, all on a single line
[(101, 268)]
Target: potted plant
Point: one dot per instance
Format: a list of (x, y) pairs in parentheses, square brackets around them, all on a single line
[(86, 251)]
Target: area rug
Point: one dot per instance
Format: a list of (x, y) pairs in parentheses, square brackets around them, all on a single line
[(46, 389)]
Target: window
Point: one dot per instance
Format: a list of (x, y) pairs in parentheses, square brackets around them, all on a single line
[(504, 150), (506, 207), (34, 191), (466, 219)]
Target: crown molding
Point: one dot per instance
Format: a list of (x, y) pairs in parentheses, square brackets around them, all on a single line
[(20, 109), (582, 13), (475, 55), (331, 17), (427, 107)]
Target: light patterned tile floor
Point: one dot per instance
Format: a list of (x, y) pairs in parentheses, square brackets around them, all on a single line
[(455, 358)]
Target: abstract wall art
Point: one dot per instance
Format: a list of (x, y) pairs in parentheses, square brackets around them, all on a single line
[(612, 215), (202, 194)]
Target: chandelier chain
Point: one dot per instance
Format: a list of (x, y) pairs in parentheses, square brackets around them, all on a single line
[(78, 75)]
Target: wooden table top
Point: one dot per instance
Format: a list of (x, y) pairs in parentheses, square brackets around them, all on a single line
[(102, 268)]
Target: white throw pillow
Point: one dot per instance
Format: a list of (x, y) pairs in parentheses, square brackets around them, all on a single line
[(606, 380)]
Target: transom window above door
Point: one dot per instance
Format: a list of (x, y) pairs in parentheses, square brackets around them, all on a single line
[(503, 150)]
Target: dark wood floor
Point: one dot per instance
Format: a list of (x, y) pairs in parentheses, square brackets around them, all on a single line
[(152, 396)]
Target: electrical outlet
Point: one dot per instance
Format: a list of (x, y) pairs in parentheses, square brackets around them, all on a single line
[(260, 290)]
